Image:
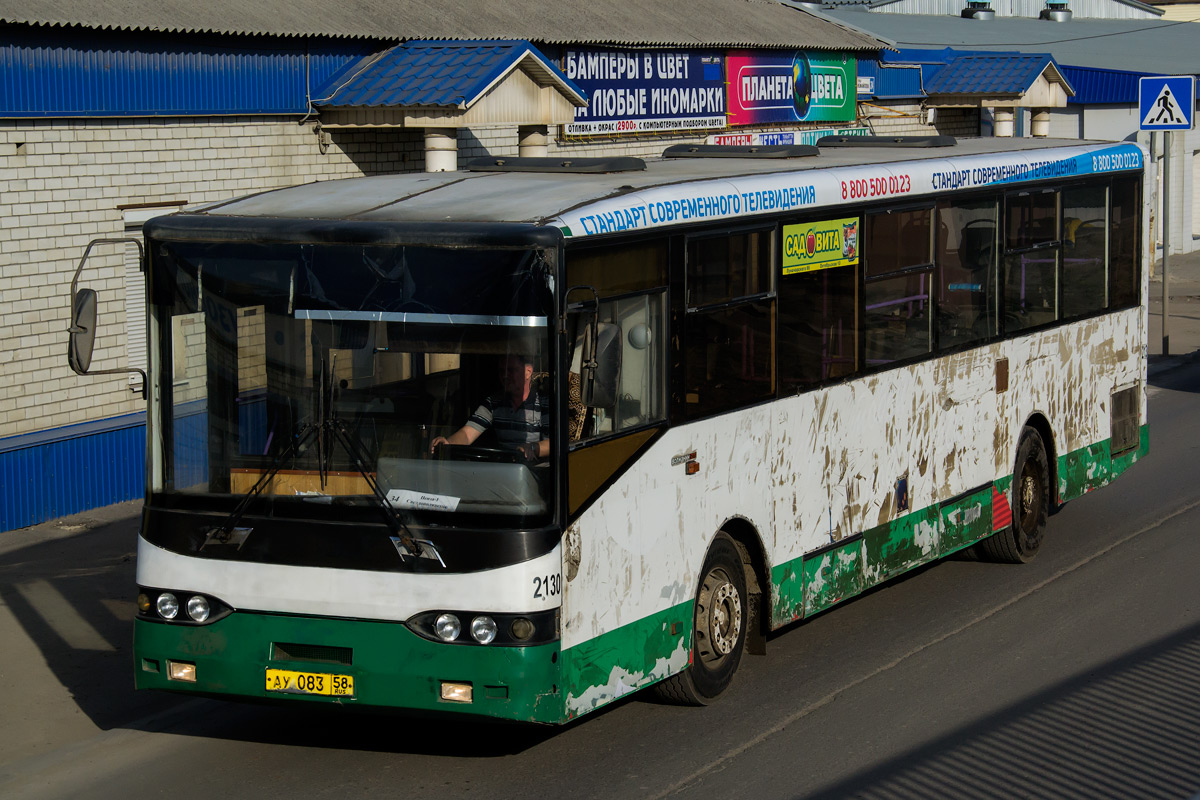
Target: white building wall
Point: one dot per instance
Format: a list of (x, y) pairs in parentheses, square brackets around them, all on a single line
[(1066, 123)]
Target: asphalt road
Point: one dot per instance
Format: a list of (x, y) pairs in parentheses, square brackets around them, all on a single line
[(1075, 676)]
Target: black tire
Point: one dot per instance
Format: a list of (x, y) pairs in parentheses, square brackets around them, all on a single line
[(719, 624), (1020, 541)]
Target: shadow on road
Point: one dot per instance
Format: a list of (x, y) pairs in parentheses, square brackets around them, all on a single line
[(1129, 729), (73, 596), (1170, 377)]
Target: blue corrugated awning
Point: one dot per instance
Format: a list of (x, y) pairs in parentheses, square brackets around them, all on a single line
[(448, 74), (992, 75)]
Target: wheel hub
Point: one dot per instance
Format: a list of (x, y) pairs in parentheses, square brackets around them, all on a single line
[(725, 618)]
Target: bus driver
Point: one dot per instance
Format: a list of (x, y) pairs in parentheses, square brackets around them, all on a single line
[(519, 416)]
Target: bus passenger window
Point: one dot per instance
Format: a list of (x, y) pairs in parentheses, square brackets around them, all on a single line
[(1031, 260), (1085, 256), (729, 358), (631, 281), (898, 261), (965, 254), (818, 326), (1125, 228), (641, 386)]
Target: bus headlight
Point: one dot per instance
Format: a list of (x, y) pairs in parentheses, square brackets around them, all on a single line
[(483, 629), (198, 608), (447, 627), (494, 628), (167, 605)]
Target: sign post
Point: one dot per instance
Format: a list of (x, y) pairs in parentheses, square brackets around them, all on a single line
[(1167, 103)]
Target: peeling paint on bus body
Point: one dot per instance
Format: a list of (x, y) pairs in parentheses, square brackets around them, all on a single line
[(821, 468), (632, 657)]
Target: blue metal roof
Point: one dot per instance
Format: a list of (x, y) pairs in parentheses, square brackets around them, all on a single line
[(989, 74), (433, 73), (71, 73)]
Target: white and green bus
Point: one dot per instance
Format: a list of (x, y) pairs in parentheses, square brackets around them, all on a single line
[(756, 382)]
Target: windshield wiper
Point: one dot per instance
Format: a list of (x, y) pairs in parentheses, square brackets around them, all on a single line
[(402, 536), (331, 428), (228, 531), (328, 429)]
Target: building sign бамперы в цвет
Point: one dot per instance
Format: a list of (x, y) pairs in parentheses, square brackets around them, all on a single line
[(635, 91)]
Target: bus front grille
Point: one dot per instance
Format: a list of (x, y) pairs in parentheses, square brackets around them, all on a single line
[(324, 654)]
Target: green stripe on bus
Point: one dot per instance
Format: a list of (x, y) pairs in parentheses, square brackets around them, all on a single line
[(391, 665), (807, 585), (1089, 468), (631, 657)]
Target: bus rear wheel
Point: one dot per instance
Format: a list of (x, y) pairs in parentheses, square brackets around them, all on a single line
[(720, 621), (1020, 541)]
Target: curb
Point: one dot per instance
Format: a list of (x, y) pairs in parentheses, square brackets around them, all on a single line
[(1169, 363)]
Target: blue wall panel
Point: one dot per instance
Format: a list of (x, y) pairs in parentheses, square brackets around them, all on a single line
[(50, 479), (1099, 86), (65, 73)]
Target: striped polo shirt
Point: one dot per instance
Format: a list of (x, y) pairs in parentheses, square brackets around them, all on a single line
[(514, 426)]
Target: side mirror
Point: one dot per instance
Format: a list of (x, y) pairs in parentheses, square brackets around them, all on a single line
[(83, 320), (82, 330)]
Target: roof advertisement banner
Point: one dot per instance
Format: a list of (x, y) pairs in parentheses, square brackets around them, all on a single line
[(790, 87), (816, 186), (635, 91)]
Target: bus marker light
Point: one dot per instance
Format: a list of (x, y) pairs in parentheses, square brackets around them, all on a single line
[(521, 629), (181, 671), (691, 467), (143, 603), (456, 692)]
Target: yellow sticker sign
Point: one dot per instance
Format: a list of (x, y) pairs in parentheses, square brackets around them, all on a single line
[(820, 245)]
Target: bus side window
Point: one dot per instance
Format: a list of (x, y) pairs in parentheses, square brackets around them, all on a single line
[(898, 264), (729, 357), (1031, 259), (631, 280), (965, 255), (1085, 257), (818, 326), (1125, 228)]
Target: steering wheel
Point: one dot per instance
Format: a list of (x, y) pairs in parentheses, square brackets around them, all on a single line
[(467, 452)]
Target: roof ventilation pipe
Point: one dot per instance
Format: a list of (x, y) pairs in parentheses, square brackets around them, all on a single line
[(1056, 11), (978, 9)]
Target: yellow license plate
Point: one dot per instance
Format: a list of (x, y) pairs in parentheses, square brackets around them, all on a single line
[(281, 680)]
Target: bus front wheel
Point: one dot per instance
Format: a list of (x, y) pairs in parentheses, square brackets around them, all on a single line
[(1020, 541), (720, 621)]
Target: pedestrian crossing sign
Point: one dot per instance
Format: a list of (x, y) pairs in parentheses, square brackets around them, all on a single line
[(1167, 102)]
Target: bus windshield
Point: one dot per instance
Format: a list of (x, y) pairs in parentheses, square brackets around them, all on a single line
[(304, 373)]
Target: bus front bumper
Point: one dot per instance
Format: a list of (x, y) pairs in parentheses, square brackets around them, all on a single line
[(241, 654)]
